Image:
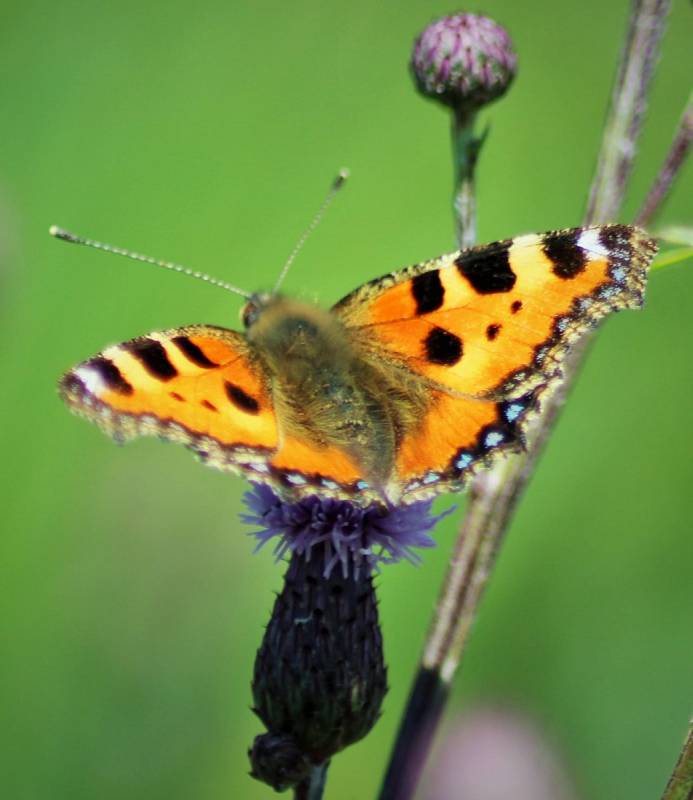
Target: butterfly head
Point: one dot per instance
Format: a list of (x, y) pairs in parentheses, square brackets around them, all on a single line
[(252, 310)]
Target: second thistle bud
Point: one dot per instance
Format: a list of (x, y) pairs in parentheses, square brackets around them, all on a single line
[(464, 61)]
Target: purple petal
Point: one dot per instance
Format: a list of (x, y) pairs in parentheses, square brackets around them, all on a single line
[(357, 538)]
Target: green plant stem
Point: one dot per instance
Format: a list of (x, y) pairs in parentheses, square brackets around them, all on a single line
[(680, 786), (494, 495), (313, 787), (465, 153)]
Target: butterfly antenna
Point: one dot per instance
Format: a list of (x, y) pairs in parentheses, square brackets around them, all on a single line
[(337, 184), (66, 236)]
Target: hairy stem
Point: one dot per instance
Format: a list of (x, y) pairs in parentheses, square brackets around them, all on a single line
[(670, 168), (680, 786), (494, 495), (628, 103)]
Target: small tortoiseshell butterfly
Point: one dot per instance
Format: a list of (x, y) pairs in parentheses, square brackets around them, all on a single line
[(400, 391)]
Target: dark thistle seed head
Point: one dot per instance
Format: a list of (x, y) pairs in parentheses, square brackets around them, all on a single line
[(319, 677), (464, 61), (339, 534)]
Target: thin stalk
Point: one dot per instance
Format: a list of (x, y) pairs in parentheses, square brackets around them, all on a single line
[(680, 786), (628, 103), (671, 167), (494, 495), (465, 153), (313, 787)]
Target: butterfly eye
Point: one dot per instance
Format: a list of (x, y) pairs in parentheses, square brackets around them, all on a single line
[(249, 313), (254, 307)]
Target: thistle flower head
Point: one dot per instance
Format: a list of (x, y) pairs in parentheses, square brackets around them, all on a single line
[(319, 677), (345, 535), (464, 61)]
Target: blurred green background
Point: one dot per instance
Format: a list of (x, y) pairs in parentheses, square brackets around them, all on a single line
[(207, 134)]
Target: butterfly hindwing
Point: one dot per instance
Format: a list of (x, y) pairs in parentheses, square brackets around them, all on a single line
[(495, 321), (458, 436)]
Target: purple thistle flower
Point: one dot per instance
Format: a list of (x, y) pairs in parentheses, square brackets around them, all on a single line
[(355, 537), (464, 61)]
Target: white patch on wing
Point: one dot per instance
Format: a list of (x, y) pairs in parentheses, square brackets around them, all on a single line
[(589, 242), (113, 351), (92, 380)]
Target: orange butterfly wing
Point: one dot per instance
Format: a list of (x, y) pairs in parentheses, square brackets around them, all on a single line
[(197, 385), (497, 320), (456, 437), (202, 386), (487, 328)]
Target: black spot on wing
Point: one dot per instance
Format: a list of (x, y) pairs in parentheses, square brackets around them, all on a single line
[(617, 240), (488, 271), (152, 355), (241, 399), (567, 258), (109, 374), (442, 347), (192, 352), (515, 306), (492, 331), (427, 291), (210, 406)]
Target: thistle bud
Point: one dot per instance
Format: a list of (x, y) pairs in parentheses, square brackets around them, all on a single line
[(319, 676), (464, 61)]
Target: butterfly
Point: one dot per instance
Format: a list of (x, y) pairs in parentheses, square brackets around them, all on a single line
[(402, 390)]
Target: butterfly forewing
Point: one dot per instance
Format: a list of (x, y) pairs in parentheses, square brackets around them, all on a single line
[(197, 385), (204, 387), (496, 320)]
